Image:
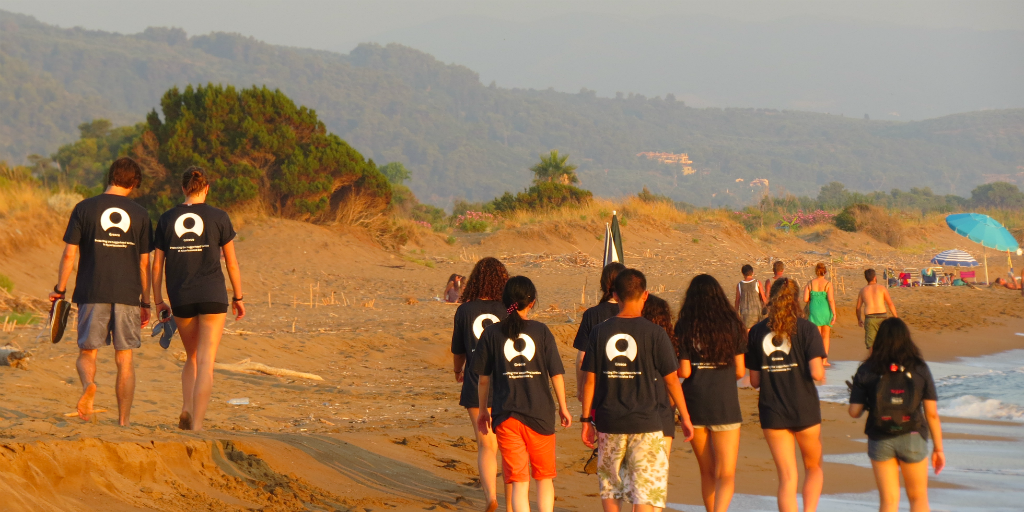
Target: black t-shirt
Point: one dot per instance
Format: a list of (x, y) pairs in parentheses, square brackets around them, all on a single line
[(592, 317), (112, 232), (520, 373), (788, 398), (471, 318), (710, 391), (630, 357), (865, 386), (191, 237)]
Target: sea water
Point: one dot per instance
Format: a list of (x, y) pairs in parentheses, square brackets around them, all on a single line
[(990, 472)]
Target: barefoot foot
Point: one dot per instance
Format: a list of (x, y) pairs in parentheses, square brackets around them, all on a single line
[(492, 507), (85, 403), (185, 421)]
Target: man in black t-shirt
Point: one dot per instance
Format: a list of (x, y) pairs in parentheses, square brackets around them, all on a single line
[(112, 235), (630, 367)]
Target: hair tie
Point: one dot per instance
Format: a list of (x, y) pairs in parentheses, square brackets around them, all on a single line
[(513, 307)]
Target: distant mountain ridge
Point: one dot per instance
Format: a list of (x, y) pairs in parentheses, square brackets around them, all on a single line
[(809, 63), (462, 139)]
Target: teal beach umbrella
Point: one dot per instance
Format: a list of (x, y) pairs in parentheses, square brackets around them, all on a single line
[(984, 230)]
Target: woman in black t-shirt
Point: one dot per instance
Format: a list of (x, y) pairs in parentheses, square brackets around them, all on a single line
[(190, 239), (605, 309), (784, 356), (658, 311), (709, 337), (481, 306), (905, 452)]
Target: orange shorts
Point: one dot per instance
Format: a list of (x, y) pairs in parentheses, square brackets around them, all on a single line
[(522, 448)]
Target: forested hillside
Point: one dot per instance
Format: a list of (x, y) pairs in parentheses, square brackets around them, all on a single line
[(461, 138)]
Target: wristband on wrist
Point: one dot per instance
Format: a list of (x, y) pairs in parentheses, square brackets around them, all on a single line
[(59, 292), (239, 299), (586, 419), (145, 306), (158, 303)]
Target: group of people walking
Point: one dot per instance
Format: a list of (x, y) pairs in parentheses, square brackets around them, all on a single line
[(113, 238), (639, 375)]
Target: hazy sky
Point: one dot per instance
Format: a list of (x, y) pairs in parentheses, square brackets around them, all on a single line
[(339, 24)]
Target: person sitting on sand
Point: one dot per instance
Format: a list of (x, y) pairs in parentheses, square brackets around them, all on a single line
[(630, 368), (658, 311), (112, 235), (517, 357), (190, 239), (453, 289), (784, 356), (821, 305), (480, 308), (750, 298), (871, 307), (898, 446), (605, 309), (711, 342)]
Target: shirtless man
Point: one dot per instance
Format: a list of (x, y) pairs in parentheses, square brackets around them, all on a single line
[(779, 271), (873, 298)]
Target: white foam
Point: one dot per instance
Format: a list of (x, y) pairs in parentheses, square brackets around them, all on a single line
[(970, 406)]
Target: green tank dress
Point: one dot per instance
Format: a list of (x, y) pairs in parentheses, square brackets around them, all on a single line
[(819, 312)]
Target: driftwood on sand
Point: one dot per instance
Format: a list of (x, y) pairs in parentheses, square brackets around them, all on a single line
[(247, 366), (14, 357)]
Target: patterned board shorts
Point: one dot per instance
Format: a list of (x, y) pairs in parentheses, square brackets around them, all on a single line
[(633, 467)]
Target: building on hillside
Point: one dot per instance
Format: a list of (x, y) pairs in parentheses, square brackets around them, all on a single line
[(681, 159)]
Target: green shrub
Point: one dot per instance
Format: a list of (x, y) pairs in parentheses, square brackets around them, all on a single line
[(6, 283), (872, 221), (255, 144), (544, 195), (647, 196)]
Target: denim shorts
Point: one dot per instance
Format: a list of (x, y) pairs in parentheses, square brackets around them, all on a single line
[(910, 448)]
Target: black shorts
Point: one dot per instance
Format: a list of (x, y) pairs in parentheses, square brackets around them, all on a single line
[(199, 308)]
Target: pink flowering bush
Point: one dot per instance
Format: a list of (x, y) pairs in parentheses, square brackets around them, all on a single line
[(474, 222), (800, 219)]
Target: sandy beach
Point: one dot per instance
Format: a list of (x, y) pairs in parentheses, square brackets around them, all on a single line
[(383, 429)]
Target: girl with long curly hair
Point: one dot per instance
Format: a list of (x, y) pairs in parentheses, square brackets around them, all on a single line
[(481, 306), (606, 308), (784, 356), (710, 341), (657, 310)]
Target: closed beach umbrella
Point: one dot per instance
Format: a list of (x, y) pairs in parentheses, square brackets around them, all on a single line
[(612, 242), (984, 230), (955, 258)]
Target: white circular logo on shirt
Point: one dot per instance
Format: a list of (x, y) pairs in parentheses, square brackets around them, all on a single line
[(478, 324), (769, 345), (197, 226), (123, 221), (528, 351), (613, 351)]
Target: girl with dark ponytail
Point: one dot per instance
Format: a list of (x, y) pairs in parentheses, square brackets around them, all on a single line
[(518, 356), (190, 239)]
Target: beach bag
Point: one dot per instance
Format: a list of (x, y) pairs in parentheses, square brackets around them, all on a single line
[(896, 401)]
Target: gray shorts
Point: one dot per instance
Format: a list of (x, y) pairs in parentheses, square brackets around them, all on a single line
[(720, 428), (102, 324), (910, 448)]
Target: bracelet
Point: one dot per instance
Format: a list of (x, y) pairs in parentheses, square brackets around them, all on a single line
[(59, 292), (158, 303), (238, 299), (460, 371), (145, 306)]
